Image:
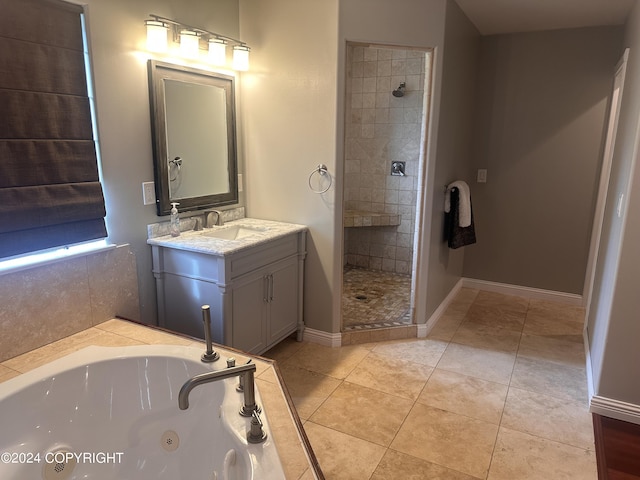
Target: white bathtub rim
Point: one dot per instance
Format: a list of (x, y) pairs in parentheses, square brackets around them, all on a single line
[(96, 354)]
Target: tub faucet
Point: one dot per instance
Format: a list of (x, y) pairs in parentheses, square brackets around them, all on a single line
[(208, 220), (247, 371), (209, 355)]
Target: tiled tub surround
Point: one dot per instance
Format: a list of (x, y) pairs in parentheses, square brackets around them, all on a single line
[(297, 462), (45, 303), (496, 391), (381, 128)]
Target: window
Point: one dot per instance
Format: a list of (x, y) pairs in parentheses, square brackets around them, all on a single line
[(50, 192)]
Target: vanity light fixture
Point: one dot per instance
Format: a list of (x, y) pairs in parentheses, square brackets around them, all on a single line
[(157, 35), (241, 57), (217, 51), (189, 39), (189, 43)]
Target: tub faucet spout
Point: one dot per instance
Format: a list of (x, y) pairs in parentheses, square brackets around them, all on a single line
[(247, 371)]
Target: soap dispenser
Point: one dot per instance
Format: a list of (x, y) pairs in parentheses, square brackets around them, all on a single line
[(175, 220)]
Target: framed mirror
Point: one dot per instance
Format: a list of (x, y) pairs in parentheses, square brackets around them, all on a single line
[(194, 137)]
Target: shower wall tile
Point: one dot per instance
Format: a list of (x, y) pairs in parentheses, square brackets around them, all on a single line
[(380, 129)]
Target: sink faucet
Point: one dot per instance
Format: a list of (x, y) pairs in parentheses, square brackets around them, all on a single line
[(245, 371), (207, 218)]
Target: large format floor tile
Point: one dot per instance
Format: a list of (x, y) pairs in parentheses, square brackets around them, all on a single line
[(341, 456), (492, 365), (548, 417), (526, 457), (454, 441), (496, 391), (465, 395), (363, 413)]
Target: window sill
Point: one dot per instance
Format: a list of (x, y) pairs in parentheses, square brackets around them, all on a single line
[(26, 262)]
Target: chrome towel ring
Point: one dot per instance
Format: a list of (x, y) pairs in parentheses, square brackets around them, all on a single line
[(321, 170)]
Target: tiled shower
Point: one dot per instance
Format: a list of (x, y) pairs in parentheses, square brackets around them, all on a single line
[(383, 126)]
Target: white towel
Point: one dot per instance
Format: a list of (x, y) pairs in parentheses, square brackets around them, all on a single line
[(464, 202)]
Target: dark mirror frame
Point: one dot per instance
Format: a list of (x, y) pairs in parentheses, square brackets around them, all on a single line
[(158, 72)]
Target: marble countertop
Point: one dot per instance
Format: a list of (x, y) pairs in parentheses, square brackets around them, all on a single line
[(264, 231)]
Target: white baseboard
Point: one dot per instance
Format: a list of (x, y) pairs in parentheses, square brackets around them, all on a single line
[(425, 328), (322, 338), (611, 408), (529, 292)]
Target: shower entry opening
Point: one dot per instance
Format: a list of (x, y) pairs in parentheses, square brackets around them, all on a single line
[(386, 111)]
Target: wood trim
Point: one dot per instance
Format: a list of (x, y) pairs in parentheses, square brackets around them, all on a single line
[(617, 448)]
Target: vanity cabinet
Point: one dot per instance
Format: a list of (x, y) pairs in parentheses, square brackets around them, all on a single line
[(270, 295), (255, 292)]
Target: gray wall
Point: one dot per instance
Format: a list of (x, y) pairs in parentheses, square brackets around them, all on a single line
[(454, 154), (118, 46), (542, 103), (613, 325)]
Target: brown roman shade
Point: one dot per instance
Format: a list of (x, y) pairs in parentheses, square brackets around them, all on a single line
[(50, 192)]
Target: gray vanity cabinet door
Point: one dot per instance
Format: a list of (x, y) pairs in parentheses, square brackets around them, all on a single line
[(249, 297), (283, 300)]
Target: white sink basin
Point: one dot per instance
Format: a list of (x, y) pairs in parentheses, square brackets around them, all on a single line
[(233, 232)]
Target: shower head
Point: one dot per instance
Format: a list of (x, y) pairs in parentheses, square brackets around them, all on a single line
[(399, 92)]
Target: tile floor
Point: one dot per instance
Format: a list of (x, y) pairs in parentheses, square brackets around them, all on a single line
[(374, 299), (496, 391)]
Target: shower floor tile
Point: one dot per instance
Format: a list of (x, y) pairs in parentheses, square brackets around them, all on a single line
[(374, 299)]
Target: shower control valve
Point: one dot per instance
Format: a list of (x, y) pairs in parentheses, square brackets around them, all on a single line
[(397, 168)]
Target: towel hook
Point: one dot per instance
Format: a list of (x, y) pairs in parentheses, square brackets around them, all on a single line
[(321, 170)]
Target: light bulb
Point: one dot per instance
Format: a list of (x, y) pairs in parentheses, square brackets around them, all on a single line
[(241, 57), (217, 51), (156, 35), (189, 43)]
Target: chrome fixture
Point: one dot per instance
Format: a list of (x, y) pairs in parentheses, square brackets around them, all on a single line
[(197, 227), (209, 355), (397, 168), (399, 92), (256, 434), (208, 223), (246, 372), (189, 39)]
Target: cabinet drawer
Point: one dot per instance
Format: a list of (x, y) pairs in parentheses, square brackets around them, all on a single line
[(261, 255)]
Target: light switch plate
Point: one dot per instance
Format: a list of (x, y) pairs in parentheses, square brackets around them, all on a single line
[(482, 175), (148, 193)]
